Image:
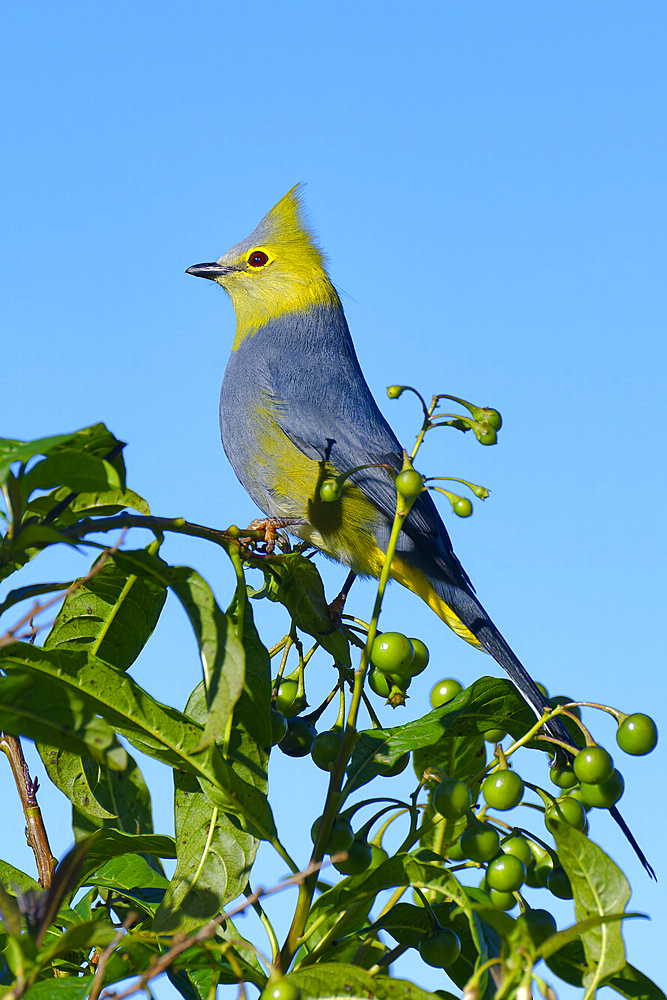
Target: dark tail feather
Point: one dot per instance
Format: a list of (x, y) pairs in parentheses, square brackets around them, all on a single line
[(474, 617)]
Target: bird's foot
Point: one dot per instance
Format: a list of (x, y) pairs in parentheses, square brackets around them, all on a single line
[(337, 605), (271, 527)]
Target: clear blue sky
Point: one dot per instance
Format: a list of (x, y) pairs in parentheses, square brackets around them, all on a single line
[(488, 180)]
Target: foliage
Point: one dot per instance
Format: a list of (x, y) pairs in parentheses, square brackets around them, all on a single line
[(109, 911)]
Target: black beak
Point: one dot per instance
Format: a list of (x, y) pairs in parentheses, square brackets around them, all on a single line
[(212, 271)]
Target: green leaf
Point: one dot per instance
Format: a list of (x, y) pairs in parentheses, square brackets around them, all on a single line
[(214, 859), (114, 844), (13, 878), (634, 985), (221, 652), (123, 790), (569, 963), (600, 888), (113, 615), (76, 470), (91, 934), (458, 756), (51, 713), (133, 878), (302, 592), (61, 989), (100, 504), (23, 451), (67, 773), (406, 923), (338, 981), (34, 590), (155, 729)]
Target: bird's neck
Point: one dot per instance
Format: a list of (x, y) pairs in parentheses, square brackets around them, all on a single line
[(284, 312)]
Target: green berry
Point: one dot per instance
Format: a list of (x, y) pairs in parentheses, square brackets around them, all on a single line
[(286, 699), (341, 837), (394, 391), (604, 795), (503, 789), (278, 726), (493, 418), (502, 900), (440, 950), (359, 858), (558, 884), (565, 810), (454, 852), (330, 490), (445, 691), (575, 793), (519, 847), (462, 506), (480, 841), (593, 765), (637, 734), (487, 437), (539, 924), (506, 873), (421, 657), (298, 739), (409, 483), (563, 777), (324, 750), (282, 990), (392, 653), (540, 687), (397, 767), (451, 798), (494, 735)]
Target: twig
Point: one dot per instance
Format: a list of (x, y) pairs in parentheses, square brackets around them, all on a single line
[(107, 953), (27, 789)]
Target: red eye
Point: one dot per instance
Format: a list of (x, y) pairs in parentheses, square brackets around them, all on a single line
[(258, 258)]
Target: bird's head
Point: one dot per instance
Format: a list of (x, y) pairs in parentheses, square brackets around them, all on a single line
[(278, 269)]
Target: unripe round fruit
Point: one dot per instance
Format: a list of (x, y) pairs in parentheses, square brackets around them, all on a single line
[(539, 924), (445, 691), (380, 683), (488, 437), (558, 884), (519, 847), (282, 990), (480, 842), (540, 687), (637, 734), (397, 767), (575, 793), (394, 391), (441, 949), (494, 735), (299, 738), (330, 490), (409, 483), (502, 900), (454, 852), (506, 873), (359, 858), (503, 789), (451, 798), (493, 418), (324, 750), (278, 726), (341, 837), (605, 795), (286, 698), (462, 507), (421, 657), (564, 777), (565, 810), (392, 653), (593, 765)]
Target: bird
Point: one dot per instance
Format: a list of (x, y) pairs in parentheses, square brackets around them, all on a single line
[(295, 409)]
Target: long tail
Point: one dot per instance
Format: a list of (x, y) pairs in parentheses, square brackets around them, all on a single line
[(475, 619)]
